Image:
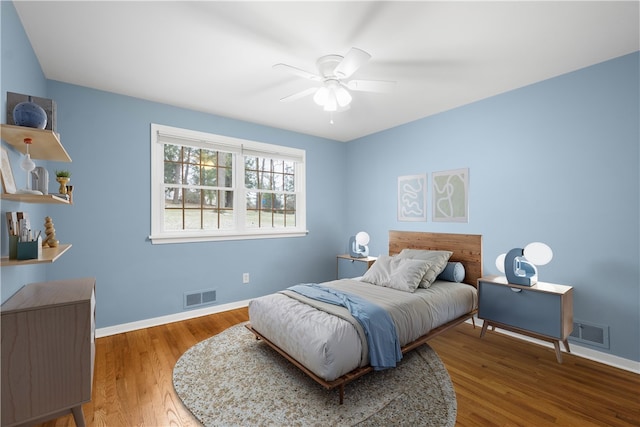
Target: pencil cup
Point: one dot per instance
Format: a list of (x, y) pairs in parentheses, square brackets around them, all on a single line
[(30, 250)]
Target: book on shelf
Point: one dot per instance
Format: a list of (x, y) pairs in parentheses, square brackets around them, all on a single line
[(12, 223)]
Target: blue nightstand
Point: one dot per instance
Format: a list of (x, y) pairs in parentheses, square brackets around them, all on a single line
[(543, 311)]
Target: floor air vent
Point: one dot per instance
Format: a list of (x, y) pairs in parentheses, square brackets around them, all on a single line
[(590, 333), (198, 298)]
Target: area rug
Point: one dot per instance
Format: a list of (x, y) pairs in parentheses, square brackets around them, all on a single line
[(232, 379)]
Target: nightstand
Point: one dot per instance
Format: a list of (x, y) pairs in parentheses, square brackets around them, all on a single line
[(543, 311), (348, 266)]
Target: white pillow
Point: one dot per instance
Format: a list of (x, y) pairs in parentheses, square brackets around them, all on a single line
[(437, 261), (403, 274)]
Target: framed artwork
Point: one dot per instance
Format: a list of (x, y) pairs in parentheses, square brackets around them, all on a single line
[(8, 183), (412, 198), (451, 195)]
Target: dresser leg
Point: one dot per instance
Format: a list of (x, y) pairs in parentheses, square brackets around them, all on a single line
[(78, 416), (566, 345), (556, 345)]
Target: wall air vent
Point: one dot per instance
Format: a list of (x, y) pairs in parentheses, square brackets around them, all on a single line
[(590, 333), (199, 298)]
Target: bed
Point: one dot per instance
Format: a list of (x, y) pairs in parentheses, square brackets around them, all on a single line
[(330, 345)]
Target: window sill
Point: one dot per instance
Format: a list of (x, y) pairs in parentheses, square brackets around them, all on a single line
[(199, 237)]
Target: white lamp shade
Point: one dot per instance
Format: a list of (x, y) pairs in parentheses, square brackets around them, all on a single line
[(331, 104), (500, 262), (321, 95), (343, 96), (538, 253), (362, 238)]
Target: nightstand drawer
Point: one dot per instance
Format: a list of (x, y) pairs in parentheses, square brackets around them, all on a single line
[(538, 312)]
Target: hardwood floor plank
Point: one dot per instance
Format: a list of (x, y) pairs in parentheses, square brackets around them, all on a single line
[(499, 380)]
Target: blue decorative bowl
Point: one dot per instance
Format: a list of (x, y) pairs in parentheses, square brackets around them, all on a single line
[(30, 114)]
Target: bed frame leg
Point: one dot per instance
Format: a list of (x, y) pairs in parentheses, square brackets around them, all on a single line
[(341, 394)]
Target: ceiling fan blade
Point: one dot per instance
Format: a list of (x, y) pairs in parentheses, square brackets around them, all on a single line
[(298, 72), (299, 95), (382, 86), (353, 60)]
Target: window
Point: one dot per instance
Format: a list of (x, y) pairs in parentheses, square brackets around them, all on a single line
[(213, 187)]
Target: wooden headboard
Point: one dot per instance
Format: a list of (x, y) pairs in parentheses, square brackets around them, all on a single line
[(466, 248)]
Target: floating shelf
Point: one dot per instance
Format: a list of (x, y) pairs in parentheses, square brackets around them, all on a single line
[(34, 198), (49, 255), (45, 146)]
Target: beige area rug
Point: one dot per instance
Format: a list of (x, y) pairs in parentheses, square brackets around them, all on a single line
[(232, 379)]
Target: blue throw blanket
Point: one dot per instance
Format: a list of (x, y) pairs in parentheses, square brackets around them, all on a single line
[(382, 337)]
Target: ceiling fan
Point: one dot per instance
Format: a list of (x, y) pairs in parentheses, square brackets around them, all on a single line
[(333, 78)]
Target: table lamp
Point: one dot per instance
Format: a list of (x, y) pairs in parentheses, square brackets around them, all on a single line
[(519, 265), (358, 245)]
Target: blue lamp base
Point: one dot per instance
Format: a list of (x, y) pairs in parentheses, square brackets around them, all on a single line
[(356, 250), (518, 270)]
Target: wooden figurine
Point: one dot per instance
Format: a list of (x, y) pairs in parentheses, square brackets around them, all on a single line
[(50, 233)]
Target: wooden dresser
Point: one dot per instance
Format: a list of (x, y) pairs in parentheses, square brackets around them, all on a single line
[(48, 350)]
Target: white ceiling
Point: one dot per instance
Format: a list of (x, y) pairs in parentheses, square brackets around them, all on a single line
[(217, 56)]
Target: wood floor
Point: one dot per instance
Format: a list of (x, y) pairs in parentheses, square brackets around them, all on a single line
[(499, 380)]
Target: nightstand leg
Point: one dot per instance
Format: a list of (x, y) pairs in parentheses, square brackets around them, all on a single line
[(556, 345), (485, 325), (566, 345)]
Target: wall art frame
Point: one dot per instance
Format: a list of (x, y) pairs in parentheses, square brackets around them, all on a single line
[(412, 198), (8, 182), (450, 191)]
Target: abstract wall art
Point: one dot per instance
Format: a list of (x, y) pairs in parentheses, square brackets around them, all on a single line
[(412, 198), (451, 195)]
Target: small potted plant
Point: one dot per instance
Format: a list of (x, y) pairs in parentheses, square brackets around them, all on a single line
[(63, 177)]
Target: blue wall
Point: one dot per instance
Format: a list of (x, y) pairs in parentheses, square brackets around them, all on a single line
[(108, 138), (20, 72), (556, 162)]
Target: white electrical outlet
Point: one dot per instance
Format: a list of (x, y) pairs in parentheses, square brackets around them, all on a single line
[(245, 277)]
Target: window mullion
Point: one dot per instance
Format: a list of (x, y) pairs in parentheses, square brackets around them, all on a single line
[(240, 193)]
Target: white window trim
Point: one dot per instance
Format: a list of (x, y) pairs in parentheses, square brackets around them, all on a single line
[(241, 147)]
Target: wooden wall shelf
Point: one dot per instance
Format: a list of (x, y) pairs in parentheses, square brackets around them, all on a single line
[(45, 146), (34, 198), (49, 255)]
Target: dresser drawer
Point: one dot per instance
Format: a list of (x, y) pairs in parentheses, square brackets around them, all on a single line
[(534, 311)]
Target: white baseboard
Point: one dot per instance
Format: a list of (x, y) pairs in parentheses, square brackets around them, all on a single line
[(578, 350), (163, 320)]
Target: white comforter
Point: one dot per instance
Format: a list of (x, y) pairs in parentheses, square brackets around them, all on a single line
[(330, 343)]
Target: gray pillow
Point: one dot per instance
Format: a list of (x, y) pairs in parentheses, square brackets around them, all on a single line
[(437, 261), (453, 272), (403, 274)]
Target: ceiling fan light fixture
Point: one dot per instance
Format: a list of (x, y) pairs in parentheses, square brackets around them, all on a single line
[(332, 95)]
